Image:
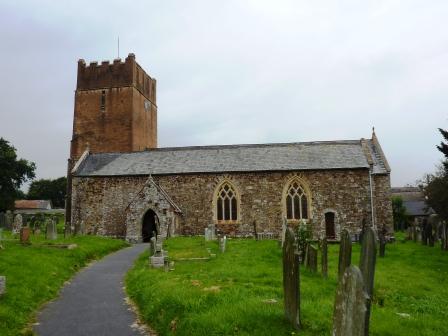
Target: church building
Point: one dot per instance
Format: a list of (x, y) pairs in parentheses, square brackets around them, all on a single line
[(122, 185)]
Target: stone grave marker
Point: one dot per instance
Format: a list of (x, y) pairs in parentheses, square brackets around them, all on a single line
[(9, 219), (2, 285), (367, 266), (312, 258), (255, 229), (25, 235), (158, 259), (212, 231), (291, 279), (222, 244), (152, 246), (444, 234), (51, 230), (207, 234), (345, 252), (18, 223), (350, 304), (382, 240), (1, 238), (324, 248)]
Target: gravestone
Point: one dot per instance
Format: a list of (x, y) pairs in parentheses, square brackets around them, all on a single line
[(444, 241), (51, 230), (9, 219), (158, 259), (2, 220), (291, 279), (345, 252), (324, 247), (207, 234), (1, 238), (212, 231), (222, 244), (2, 285), (81, 228), (25, 235), (367, 266), (284, 228), (350, 304), (312, 258), (18, 223)]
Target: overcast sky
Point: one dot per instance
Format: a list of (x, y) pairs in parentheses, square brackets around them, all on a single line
[(237, 72)]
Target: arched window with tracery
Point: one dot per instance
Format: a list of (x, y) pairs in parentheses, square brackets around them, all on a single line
[(227, 203), (297, 201)]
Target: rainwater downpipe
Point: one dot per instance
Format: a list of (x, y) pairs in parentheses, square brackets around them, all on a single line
[(371, 197)]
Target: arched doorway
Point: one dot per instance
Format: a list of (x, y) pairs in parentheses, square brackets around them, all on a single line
[(330, 231), (149, 225)]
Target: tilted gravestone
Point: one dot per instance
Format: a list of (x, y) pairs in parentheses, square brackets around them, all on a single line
[(312, 258), (18, 223), (324, 248), (367, 266), (291, 279), (350, 304), (345, 252), (51, 230)]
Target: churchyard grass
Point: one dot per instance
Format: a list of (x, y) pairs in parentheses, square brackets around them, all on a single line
[(240, 292), (35, 274)]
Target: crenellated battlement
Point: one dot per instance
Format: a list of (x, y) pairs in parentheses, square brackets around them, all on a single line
[(116, 74)]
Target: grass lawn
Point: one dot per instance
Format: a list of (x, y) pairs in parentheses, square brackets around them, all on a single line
[(229, 295), (34, 275)]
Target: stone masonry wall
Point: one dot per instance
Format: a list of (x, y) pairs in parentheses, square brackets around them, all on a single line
[(383, 204), (100, 202)]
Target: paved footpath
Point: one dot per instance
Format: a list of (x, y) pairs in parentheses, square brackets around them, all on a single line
[(93, 303)]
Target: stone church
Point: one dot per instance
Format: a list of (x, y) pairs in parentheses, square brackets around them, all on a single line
[(122, 185)]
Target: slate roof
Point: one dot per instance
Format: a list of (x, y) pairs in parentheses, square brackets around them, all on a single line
[(232, 158), (417, 208)]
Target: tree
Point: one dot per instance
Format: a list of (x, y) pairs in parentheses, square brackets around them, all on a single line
[(444, 148), (13, 173), (399, 213), (54, 190), (435, 189)]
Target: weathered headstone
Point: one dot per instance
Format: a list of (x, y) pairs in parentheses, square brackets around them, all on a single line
[(291, 279), (212, 231), (2, 285), (81, 228), (18, 223), (444, 234), (345, 252), (367, 266), (9, 219), (153, 246), (324, 248), (382, 240), (312, 258), (350, 304), (158, 259), (222, 244), (25, 235), (206, 234), (51, 230)]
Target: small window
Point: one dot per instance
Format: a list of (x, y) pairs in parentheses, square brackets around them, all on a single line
[(103, 100), (226, 203)]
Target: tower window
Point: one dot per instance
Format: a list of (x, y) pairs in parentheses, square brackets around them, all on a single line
[(103, 100)]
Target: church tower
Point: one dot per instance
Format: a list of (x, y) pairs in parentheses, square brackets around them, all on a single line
[(115, 108), (115, 111)]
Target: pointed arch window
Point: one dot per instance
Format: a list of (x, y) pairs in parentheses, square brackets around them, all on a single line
[(227, 203), (297, 202)]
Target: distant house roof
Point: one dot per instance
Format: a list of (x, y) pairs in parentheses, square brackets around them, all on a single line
[(417, 208), (408, 193), (32, 204), (349, 154)]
